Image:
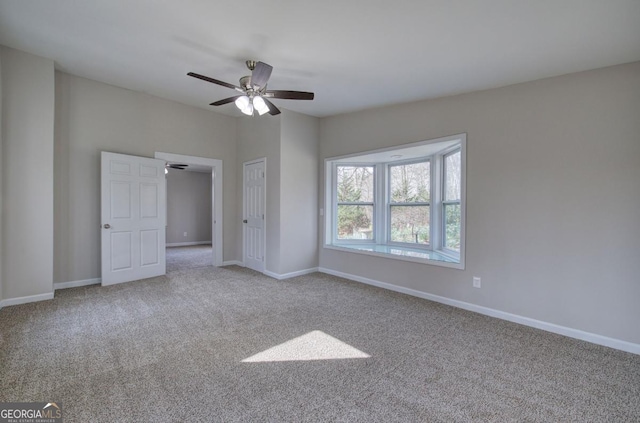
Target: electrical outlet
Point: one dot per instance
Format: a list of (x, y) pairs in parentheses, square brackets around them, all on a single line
[(476, 282), (184, 234)]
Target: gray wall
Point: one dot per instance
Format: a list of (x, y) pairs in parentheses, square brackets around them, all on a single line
[(298, 196), (91, 117), (27, 174), (553, 177), (290, 143), (188, 206)]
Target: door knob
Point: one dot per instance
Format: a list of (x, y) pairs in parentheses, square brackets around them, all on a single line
[(244, 221), (107, 226)]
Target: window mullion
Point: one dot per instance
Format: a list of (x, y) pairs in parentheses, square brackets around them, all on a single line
[(355, 203), (334, 204), (416, 203), (437, 187), (387, 204), (379, 206)]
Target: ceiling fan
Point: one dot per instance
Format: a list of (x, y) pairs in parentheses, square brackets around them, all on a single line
[(176, 166), (255, 95)]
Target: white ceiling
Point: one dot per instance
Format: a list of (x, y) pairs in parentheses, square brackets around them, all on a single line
[(354, 54)]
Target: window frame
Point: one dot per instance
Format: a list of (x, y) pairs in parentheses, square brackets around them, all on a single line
[(380, 245), (336, 203), (444, 202)]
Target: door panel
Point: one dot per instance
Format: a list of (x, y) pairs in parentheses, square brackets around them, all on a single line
[(148, 201), (121, 250), (254, 205), (120, 200), (148, 171), (120, 168), (133, 218), (149, 247)]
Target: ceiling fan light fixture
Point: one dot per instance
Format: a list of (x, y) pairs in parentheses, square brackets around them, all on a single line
[(260, 105), (242, 102), (248, 110)]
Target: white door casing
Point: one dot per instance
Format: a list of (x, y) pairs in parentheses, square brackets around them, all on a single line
[(133, 197), (254, 200), (216, 196)]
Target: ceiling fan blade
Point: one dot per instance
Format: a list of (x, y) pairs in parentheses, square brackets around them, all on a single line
[(289, 95), (225, 101), (214, 81), (261, 74), (273, 110), (177, 166)]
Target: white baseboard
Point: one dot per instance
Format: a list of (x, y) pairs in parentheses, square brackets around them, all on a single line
[(290, 274), (186, 244), (232, 263), (549, 327), (74, 284), (28, 299)]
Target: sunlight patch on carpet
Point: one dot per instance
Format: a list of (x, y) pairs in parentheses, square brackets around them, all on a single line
[(315, 345)]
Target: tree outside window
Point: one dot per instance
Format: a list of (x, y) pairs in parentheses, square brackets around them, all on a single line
[(355, 190), (451, 201), (409, 207)]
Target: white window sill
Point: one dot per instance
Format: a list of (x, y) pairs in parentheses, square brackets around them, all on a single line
[(400, 253)]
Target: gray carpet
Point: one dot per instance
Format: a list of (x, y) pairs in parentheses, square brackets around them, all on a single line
[(189, 257), (172, 349)]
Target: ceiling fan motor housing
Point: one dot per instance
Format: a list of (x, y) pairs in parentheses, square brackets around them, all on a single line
[(245, 83)]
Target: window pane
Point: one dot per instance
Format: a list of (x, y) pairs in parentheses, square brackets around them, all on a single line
[(452, 227), (355, 222), (355, 183), (452, 177), (410, 183), (410, 224)]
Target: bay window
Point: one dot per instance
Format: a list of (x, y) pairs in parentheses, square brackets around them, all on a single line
[(406, 202)]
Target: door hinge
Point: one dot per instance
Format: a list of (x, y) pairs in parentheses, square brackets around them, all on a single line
[(263, 217)]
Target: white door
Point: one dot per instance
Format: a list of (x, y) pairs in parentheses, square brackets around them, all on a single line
[(254, 205), (133, 197)]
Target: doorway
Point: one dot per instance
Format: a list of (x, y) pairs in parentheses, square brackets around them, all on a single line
[(212, 167), (188, 257)]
